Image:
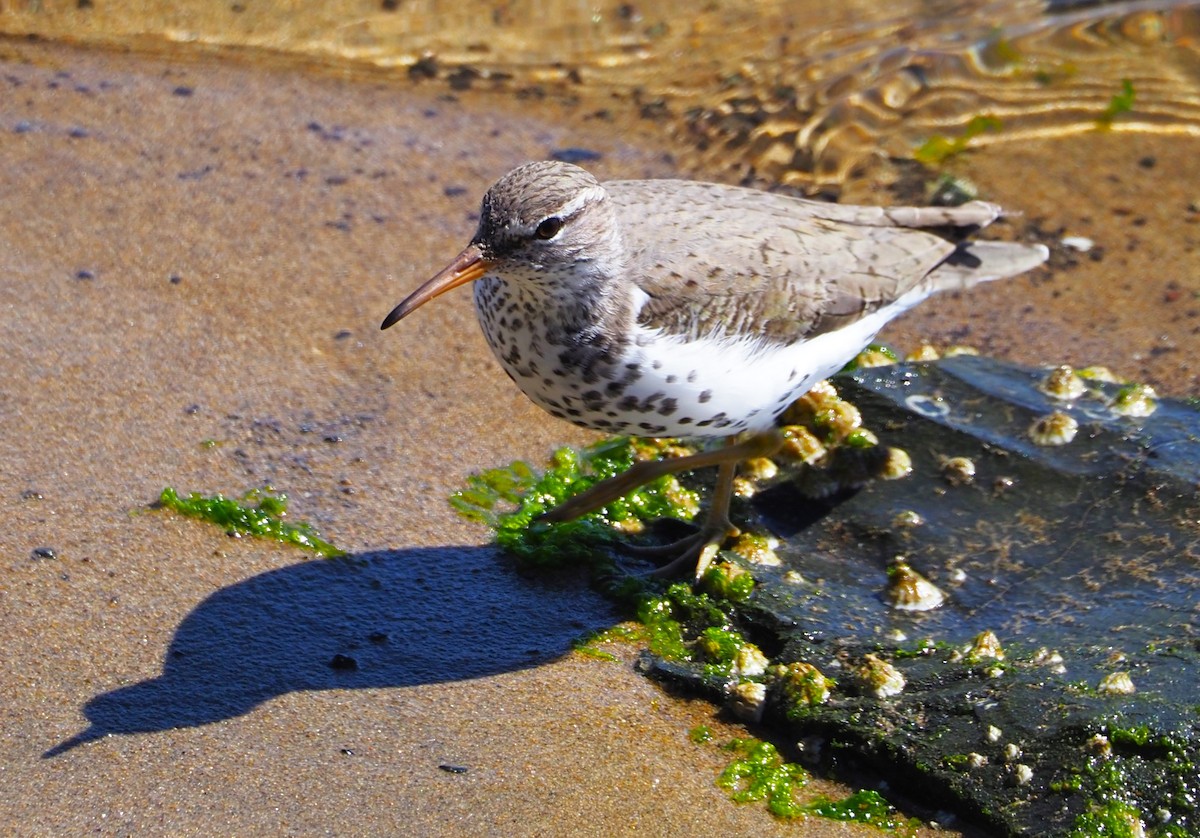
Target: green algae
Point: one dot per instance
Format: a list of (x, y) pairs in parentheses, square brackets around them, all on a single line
[(259, 512), (759, 773), (510, 500), (865, 806), (675, 619), (938, 148), (589, 644), (700, 734), (664, 634), (1110, 819), (719, 648), (728, 581), (1138, 737), (1121, 102)]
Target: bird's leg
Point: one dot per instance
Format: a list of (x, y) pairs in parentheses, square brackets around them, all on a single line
[(703, 545)]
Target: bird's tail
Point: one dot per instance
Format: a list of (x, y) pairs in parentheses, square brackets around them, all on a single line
[(973, 262)]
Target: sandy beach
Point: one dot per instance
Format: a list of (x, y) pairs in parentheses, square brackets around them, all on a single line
[(194, 260)]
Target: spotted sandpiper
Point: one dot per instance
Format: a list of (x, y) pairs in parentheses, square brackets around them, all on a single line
[(672, 308)]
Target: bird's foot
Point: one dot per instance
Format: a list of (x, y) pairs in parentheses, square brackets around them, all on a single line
[(699, 548)]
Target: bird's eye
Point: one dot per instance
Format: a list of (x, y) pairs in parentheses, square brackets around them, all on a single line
[(549, 228)]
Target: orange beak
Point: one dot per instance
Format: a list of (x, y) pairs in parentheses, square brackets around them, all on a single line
[(467, 266)]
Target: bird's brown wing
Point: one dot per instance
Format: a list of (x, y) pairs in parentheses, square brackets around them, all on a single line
[(718, 260)]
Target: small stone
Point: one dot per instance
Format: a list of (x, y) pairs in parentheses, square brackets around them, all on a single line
[(985, 646), (958, 471), (908, 590), (1097, 373), (1117, 683), (1099, 745), (343, 663), (575, 155), (801, 445), (759, 468), (747, 701), (749, 662), (1136, 400), (757, 549), (1062, 383), (1048, 658), (426, 67), (878, 677), (804, 684), (953, 351), (952, 191), (1080, 244), (1054, 429), (898, 465), (924, 353)]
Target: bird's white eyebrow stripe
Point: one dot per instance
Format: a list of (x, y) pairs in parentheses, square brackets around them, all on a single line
[(576, 204)]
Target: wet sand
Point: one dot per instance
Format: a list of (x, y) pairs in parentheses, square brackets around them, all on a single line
[(202, 252)]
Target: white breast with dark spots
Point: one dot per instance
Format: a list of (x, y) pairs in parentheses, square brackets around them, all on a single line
[(657, 384), (550, 360)]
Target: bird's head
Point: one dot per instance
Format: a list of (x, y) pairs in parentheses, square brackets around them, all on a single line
[(545, 222)]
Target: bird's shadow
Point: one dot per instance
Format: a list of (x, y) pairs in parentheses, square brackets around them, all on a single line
[(385, 619)]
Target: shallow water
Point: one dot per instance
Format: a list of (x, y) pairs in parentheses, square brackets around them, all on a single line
[(806, 94)]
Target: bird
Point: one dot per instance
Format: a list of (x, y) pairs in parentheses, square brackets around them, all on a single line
[(678, 308)]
